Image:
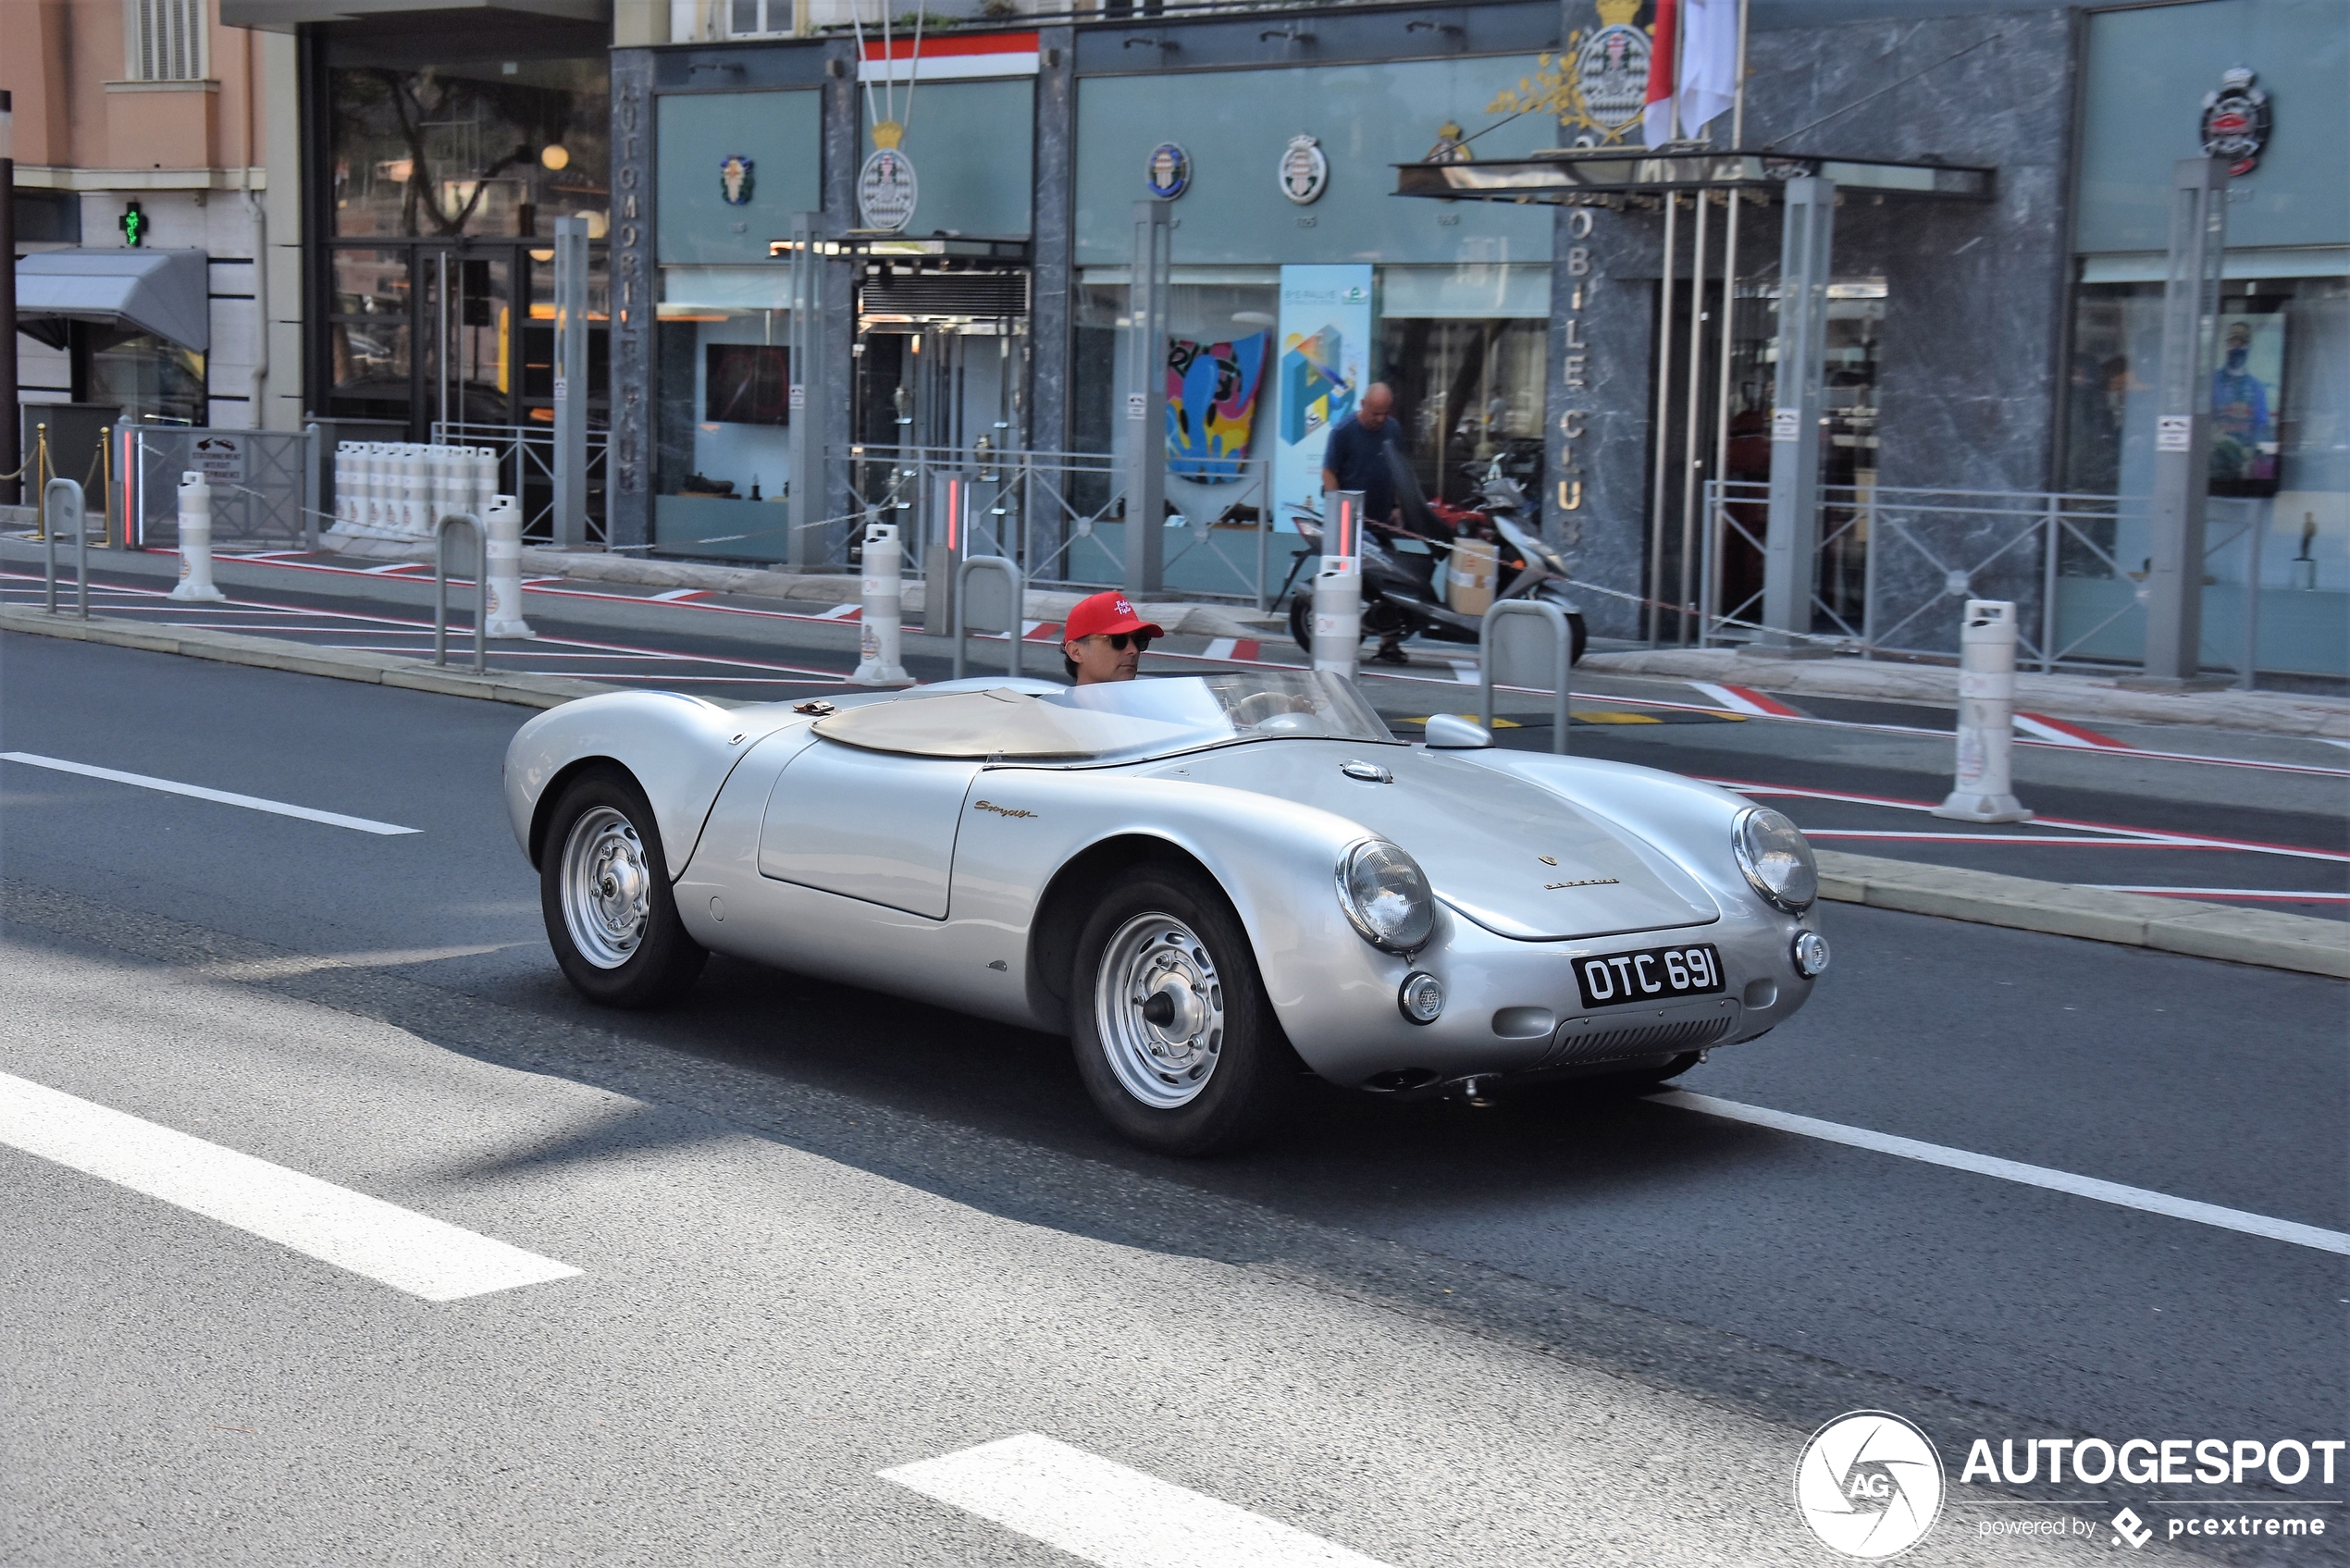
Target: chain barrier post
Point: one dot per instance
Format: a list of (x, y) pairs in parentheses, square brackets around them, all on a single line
[(881, 626), (1338, 585), (501, 582), (1985, 791), (195, 540)]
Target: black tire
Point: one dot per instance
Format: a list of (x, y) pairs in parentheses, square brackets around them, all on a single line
[(1215, 1090), (1576, 636), (1301, 618), (635, 953)]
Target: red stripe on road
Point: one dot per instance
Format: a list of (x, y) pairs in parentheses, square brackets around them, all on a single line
[(2079, 733)]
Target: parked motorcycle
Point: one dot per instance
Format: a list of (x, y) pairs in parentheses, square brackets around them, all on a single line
[(1400, 596)]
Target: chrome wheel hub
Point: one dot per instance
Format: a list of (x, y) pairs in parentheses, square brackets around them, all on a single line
[(607, 888), (1158, 1007)]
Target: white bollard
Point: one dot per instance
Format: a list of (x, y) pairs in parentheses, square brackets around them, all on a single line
[(1338, 614), (415, 491), (482, 464), (1985, 791), (502, 551), (346, 481), (195, 540), (881, 626)]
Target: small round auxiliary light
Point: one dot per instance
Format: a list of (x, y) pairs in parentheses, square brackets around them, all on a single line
[(1810, 953), (1422, 997)]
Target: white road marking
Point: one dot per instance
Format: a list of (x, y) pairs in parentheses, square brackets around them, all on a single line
[(226, 798), (405, 1250), (2113, 1193), (1109, 1514), (1219, 648), (1466, 672)]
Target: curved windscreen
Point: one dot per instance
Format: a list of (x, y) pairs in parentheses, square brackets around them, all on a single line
[(1114, 722)]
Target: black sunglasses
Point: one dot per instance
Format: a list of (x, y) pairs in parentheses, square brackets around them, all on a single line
[(1118, 640)]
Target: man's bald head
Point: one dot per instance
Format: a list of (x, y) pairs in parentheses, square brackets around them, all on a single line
[(1379, 401)]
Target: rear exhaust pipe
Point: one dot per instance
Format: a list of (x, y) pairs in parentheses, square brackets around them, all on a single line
[(1478, 1090)]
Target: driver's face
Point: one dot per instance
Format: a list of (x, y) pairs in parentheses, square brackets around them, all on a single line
[(1097, 659)]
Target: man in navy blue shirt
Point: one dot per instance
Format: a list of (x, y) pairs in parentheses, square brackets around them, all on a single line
[(1356, 458)]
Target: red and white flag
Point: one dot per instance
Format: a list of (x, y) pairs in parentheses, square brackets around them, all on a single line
[(1656, 119)]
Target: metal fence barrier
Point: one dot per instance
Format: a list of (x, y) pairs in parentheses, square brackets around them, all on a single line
[(1893, 565), (263, 488), (525, 458)]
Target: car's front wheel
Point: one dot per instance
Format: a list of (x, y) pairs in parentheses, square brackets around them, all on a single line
[(603, 891), (1174, 1037)]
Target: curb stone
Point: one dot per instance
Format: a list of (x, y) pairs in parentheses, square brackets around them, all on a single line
[(2265, 937), (2199, 930), (2063, 696), (814, 587)]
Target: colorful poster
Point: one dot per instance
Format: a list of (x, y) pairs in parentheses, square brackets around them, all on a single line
[(1323, 367), (1211, 403)]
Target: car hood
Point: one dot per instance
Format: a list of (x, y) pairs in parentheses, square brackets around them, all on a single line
[(1518, 859)]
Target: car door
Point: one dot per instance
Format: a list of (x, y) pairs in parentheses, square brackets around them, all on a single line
[(872, 825)]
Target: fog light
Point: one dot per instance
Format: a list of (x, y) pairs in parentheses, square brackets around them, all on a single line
[(1422, 997), (1810, 953)]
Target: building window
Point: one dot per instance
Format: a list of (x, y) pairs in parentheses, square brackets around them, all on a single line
[(758, 19), (166, 40)]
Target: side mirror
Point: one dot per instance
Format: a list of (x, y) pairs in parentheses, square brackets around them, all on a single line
[(1450, 732)]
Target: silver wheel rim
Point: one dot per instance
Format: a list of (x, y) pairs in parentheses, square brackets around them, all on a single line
[(607, 888), (1158, 1007)]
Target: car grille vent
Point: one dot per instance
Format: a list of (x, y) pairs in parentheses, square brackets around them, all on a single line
[(926, 295), (1651, 1039)]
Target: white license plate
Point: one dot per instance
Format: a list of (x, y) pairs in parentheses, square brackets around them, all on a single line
[(1657, 975)]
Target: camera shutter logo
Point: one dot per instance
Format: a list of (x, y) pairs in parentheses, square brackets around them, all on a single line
[(1305, 171), (1869, 1485)]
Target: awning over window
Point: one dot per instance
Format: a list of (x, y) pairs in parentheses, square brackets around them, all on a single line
[(165, 292)]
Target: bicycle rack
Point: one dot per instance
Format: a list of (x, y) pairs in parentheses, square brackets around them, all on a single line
[(1563, 654)]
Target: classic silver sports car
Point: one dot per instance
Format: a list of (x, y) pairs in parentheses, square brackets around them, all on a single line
[(1210, 883)]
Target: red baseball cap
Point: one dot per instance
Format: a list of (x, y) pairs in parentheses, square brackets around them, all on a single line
[(1105, 613)]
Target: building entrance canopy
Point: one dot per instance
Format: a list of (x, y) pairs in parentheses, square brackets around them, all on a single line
[(162, 292), (1574, 176)]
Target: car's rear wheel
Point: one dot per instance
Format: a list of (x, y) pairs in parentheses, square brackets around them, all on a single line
[(603, 891), (1174, 1037)]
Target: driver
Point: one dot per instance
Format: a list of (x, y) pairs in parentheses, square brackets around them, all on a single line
[(1104, 639)]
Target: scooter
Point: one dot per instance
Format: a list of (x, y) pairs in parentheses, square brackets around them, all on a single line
[(1400, 598)]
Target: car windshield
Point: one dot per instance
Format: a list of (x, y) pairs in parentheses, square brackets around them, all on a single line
[(1114, 722)]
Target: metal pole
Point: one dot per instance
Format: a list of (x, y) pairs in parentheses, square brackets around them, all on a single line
[(12, 437), (61, 508), (1147, 400), (569, 458), (1793, 541), (1692, 466), (313, 482), (1663, 411), (2055, 524), (441, 588), (2183, 419), (440, 345), (804, 488), (2255, 535)]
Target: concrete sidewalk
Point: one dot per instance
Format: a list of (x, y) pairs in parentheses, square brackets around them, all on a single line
[(2061, 696)]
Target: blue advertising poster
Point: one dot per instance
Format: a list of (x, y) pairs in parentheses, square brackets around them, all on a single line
[(1321, 369)]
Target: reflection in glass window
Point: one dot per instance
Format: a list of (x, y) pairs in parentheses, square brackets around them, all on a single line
[(484, 147)]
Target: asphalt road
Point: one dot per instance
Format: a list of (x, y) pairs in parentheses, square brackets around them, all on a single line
[(822, 1233)]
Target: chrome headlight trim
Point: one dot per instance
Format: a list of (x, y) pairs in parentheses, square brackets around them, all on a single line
[(1384, 930), (1796, 891)]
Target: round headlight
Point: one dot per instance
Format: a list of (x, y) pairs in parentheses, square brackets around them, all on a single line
[(1421, 997), (1810, 953), (1386, 895), (1776, 858)]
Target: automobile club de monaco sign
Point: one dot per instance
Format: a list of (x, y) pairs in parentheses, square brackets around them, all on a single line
[(886, 190), (2236, 122)]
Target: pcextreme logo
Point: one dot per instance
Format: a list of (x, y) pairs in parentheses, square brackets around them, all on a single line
[(1869, 1485)]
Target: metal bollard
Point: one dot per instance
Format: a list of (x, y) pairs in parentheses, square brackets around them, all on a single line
[(1338, 614), (881, 627), (502, 578), (195, 540), (1985, 791), (61, 509)]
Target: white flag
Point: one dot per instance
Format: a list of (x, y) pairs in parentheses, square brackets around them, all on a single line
[(1708, 75)]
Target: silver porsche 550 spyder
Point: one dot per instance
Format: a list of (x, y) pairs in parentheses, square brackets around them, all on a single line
[(1210, 883)]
